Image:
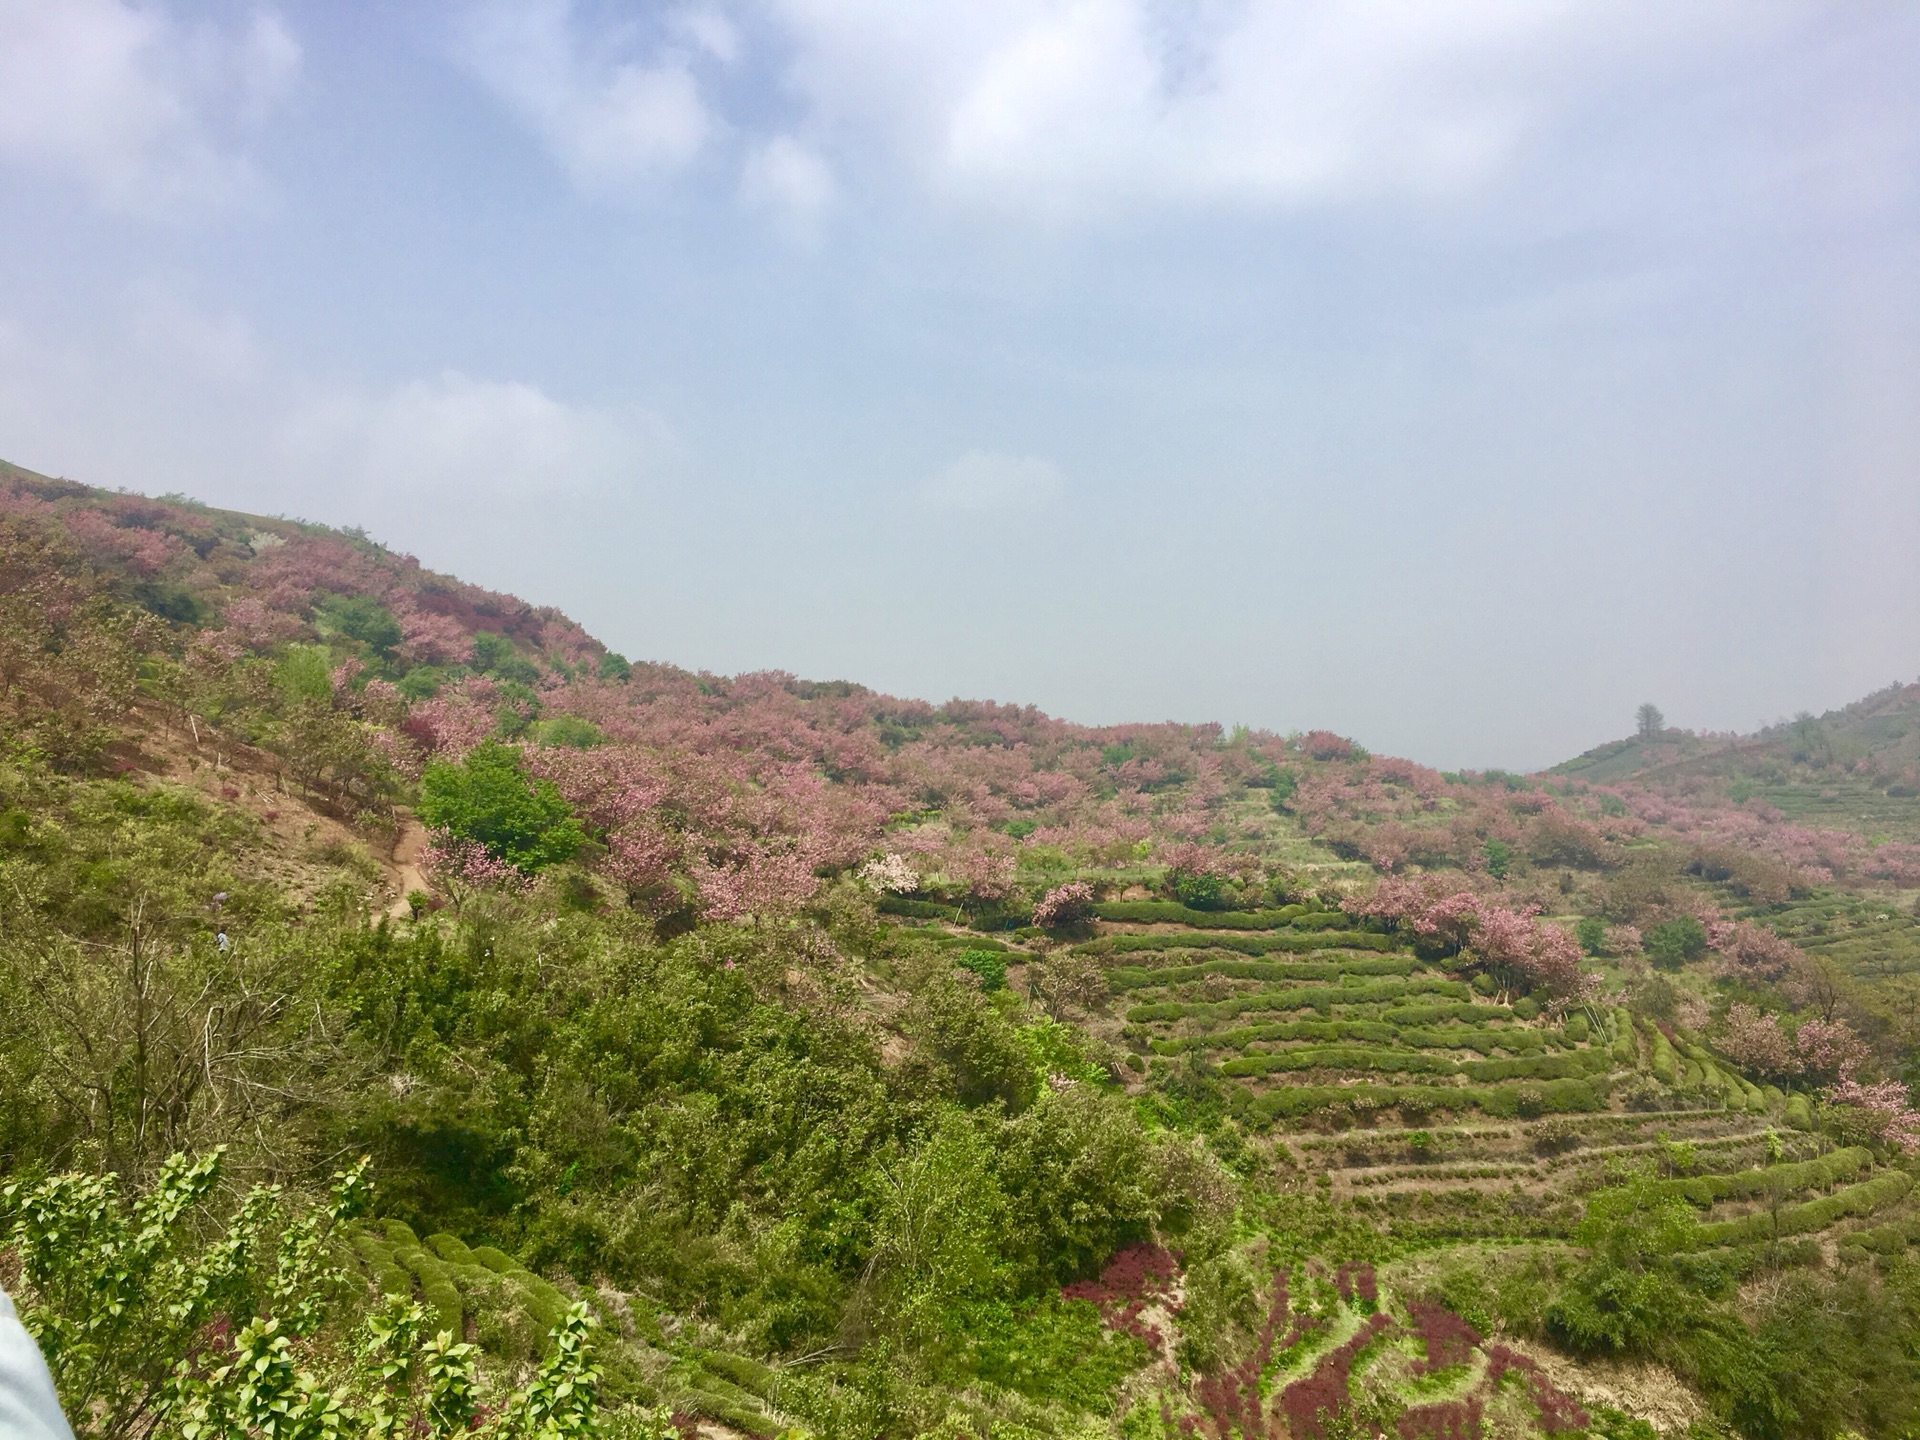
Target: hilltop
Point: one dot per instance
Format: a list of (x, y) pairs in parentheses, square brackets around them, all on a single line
[(856, 1065)]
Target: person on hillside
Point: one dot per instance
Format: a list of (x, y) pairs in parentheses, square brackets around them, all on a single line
[(29, 1409)]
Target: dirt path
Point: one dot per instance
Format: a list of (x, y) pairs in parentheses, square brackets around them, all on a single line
[(405, 865)]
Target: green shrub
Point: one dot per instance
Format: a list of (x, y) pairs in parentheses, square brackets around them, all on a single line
[(1577, 1029), (1676, 942), (569, 731), (1498, 856), (488, 799), (1799, 1114), (358, 617), (989, 965)]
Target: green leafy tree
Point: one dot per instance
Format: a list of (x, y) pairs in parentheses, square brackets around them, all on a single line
[(493, 654), (1676, 942), (489, 799), (1499, 858), (1626, 1299), (1649, 722), (305, 672), (362, 618), (1591, 932)]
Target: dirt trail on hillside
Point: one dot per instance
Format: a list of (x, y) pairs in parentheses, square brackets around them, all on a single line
[(405, 865)]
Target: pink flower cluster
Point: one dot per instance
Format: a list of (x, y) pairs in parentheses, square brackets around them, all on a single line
[(449, 861), (1069, 904), (1892, 1117), (1757, 1042), (1513, 945)]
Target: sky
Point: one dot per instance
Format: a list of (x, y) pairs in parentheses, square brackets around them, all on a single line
[(1455, 376)]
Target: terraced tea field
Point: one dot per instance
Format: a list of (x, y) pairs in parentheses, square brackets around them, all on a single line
[(1453, 1111)]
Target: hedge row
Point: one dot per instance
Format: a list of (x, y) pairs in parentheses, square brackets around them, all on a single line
[(695, 1401), (1245, 944), (1819, 1173), (1888, 1239), (1501, 1101), (1441, 1014), (1620, 1031), (392, 1277), (1318, 997), (1485, 1040), (1862, 1199), (918, 909), (1172, 912), (539, 1297), (436, 1284), (1134, 977), (1354, 1057), (1666, 1064)]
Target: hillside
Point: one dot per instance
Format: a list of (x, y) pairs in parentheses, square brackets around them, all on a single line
[(745, 1054)]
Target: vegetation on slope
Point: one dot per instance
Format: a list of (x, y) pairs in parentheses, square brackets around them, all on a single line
[(770, 1055)]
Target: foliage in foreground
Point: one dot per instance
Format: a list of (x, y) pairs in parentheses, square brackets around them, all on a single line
[(156, 1318)]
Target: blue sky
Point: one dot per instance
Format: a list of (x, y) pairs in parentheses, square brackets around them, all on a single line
[(1454, 376)]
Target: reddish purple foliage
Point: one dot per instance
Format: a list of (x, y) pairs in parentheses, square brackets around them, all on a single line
[(1133, 1279), (1559, 1412), (1232, 1398), (1443, 1420), (1448, 1338), (1308, 1403), (1355, 1281)]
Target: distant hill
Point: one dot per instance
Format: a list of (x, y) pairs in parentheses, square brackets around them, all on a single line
[(1855, 769)]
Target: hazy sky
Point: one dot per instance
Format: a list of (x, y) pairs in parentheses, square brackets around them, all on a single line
[(1453, 375)]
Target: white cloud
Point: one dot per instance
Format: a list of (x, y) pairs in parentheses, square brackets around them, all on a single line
[(1066, 105), (140, 109), (609, 121), (984, 482), (790, 180)]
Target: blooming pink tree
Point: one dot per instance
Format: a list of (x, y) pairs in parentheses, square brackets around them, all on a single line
[(1065, 905), (1754, 1041), (1514, 946), (1885, 1110), (1828, 1047), (463, 866)]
